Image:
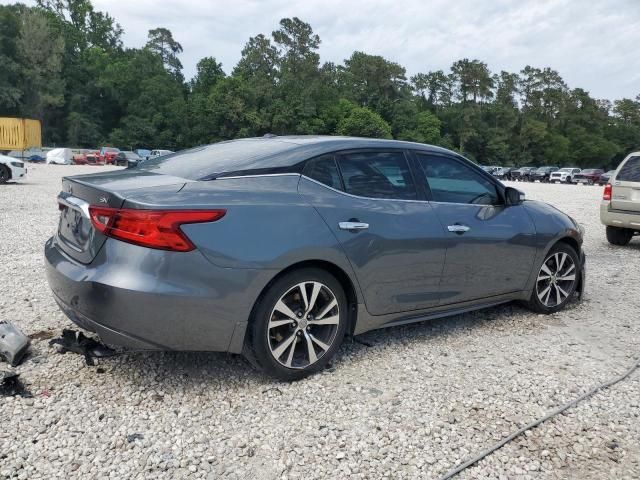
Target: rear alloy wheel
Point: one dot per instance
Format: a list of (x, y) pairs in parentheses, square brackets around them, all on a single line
[(557, 280), (5, 175), (299, 324), (619, 236)]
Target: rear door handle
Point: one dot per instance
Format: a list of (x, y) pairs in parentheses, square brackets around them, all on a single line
[(353, 225), (457, 228)]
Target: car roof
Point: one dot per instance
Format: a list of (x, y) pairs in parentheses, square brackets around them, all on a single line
[(265, 153)]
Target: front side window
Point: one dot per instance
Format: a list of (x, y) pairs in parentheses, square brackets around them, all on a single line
[(451, 181), (377, 175), (324, 170), (630, 171)]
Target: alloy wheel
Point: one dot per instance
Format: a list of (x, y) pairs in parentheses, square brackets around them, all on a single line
[(556, 279), (303, 325)]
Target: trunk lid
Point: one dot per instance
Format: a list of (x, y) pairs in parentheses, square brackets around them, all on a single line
[(625, 189), (76, 235)]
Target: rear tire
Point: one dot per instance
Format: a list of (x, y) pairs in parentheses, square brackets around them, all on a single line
[(557, 280), (294, 334), (5, 174), (619, 236)]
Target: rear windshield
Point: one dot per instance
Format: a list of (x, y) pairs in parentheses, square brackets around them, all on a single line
[(206, 162), (630, 171)]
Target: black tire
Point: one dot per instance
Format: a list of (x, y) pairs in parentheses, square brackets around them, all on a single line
[(261, 340), (589, 182), (619, 236), (537, 304), (568, 180), (5, 174)]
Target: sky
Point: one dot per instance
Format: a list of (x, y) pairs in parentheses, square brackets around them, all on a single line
[(593, 44)]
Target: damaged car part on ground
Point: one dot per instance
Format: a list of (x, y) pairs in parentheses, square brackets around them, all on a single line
[(278, 247), (78, 342), (13, 343)]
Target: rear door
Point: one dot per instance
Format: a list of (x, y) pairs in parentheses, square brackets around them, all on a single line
[(490, 247), (625, 194), (391, 236)]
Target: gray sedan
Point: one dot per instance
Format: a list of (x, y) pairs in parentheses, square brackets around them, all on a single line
[(278, 247)]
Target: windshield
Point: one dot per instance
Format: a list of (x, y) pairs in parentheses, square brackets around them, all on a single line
[(568, 170), (207, 161)]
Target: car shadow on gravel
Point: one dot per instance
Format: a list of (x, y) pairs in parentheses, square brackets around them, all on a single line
[(188, 371)]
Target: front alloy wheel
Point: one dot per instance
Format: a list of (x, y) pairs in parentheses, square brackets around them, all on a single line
[(557, 280), (298, 325)]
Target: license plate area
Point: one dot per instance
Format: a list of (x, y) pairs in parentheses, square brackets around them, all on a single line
[(74, 227)]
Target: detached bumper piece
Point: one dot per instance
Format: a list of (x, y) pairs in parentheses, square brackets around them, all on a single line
[(13, 343), (77, 342)]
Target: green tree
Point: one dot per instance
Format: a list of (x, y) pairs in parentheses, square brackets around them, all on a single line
[(362, 122), (161, 43)]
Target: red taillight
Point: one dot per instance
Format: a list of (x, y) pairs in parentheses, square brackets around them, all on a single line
[(150, 228), (606, 195)]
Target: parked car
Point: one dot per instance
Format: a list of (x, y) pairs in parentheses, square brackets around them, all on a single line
[(620, 206), (159, 153), (128, 159), (108, 155), (60, 156), (563, 175), (542, 174), (348, 235), (86, 156), (144, 153), (588, 176), (11, 169), (522, 174), (605, 177)]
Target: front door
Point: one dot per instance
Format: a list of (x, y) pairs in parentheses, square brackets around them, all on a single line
[(490, 247), (394, 241)]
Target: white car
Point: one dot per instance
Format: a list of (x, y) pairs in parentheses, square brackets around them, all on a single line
[(11, 169), (563, 175), (159, 153)]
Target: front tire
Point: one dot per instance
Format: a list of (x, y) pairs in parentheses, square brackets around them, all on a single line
[(619, 236), (5, 174), (298, 325), (557, 280)]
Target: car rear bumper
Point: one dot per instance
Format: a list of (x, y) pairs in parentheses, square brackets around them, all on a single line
[(151, 299), (618, 218)]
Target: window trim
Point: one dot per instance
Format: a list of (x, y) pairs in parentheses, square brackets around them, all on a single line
[(461, 160)]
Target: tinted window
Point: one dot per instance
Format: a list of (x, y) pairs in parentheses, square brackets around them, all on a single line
[(377, 175), (630, 171), (324, 170), (452, 181), (201, 162)]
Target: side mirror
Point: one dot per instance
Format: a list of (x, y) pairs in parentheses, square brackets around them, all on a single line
[(513, 196)]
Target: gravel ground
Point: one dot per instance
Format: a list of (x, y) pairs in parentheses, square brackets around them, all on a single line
[(406, 402)]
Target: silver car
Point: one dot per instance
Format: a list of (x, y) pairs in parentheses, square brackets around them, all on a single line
[(279, 247)]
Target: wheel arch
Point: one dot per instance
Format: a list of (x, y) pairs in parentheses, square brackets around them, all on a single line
[(346, 282)]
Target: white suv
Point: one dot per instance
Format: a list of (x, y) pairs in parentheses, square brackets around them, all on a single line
[(620, 207), (563, 175)]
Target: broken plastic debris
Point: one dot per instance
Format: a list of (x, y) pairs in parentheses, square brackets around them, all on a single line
[(77, 342), (13, 343), (11, 386)]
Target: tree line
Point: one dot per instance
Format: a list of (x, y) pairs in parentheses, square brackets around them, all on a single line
[(65, 64)]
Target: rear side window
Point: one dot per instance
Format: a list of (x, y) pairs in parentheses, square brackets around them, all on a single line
[(630, 171), (451, 181), (377, 175), (324, 170)]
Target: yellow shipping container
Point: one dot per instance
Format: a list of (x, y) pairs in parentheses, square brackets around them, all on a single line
[(19, 134)]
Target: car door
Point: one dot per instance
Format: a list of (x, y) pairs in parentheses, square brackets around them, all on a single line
[(490, 247), (392, 238)]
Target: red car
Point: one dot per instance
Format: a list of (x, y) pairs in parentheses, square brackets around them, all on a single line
[(87, 157), (590, 176), (108, 155)]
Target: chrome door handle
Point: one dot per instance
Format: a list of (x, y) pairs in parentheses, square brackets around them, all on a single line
[(457, 228), (353, 225)]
